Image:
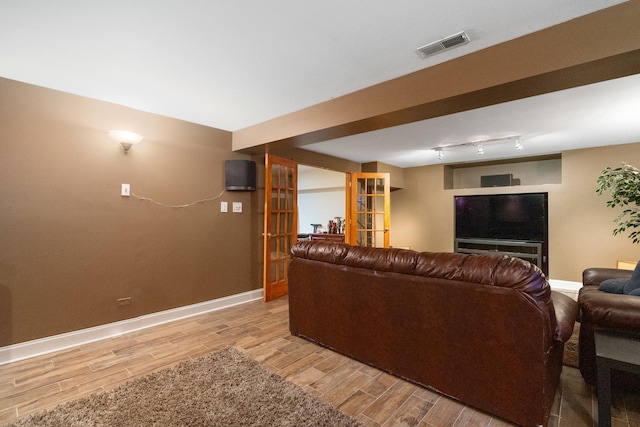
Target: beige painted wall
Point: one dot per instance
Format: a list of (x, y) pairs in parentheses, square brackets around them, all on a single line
[(580, 225), (70, 245)]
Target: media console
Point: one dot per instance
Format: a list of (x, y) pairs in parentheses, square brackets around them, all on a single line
[(529, 251)]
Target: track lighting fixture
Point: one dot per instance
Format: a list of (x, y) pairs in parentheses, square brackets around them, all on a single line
[(479, 145)]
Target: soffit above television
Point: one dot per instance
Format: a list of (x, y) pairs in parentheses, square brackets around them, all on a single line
[(461, 165)]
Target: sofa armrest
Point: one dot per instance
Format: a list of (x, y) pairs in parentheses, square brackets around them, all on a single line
[(566, 310), (616, 311), (595, 276)]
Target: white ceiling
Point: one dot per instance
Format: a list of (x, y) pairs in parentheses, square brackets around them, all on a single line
[(606, 113), (232, 64)]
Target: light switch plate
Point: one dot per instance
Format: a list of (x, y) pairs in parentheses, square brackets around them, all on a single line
[(224, 206), (125, 191), (237, 207)]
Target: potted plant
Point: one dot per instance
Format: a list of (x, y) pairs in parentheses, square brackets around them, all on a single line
[(624, 185)]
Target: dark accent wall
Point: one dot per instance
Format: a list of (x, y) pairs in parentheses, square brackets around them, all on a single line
[(71, 246)]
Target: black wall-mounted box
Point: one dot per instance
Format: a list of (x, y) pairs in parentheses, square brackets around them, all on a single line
[(240, 175), (504, 180)]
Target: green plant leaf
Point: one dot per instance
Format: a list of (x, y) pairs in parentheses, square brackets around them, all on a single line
[(623, 185)]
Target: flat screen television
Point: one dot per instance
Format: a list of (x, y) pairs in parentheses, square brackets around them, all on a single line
[(519, 217)]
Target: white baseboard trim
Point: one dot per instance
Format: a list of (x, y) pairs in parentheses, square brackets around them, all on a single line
[(15, 352), (565, 285)]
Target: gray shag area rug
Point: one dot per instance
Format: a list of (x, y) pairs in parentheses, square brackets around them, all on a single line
[(225, 388)]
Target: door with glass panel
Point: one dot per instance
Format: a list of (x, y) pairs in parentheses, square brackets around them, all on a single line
[(280, 223), (368, 205)]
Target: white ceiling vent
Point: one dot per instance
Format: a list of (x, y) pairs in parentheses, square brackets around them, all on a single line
[(444, 44)]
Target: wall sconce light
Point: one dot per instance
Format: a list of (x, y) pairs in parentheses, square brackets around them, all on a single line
[(125, 138), (518, 144), (480, 150), (440, 153)]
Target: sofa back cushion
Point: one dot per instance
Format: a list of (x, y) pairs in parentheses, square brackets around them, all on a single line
[(492, 270), (489, 270)]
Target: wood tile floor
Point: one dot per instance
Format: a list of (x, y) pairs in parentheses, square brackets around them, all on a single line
[(261, 330)]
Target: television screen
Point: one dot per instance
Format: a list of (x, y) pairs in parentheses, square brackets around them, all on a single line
[(520, 217)]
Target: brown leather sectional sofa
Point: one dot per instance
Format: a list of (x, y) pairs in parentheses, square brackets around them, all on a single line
[(606, 311), (486, 330)]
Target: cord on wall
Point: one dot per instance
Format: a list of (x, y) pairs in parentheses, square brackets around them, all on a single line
[(146, 199)]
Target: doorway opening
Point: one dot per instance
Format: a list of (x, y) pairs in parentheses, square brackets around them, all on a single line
[(321, 201)]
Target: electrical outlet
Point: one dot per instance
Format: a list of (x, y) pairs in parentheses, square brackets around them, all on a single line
[(123, 301), (126, 190)]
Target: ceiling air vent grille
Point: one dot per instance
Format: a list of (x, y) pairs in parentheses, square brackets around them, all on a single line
[(444, 44)]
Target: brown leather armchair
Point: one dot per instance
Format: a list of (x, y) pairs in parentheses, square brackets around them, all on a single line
[(603, 310)]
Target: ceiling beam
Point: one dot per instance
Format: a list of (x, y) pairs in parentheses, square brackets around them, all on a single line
[(594, 48)]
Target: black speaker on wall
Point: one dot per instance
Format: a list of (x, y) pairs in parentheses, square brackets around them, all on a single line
[(504, 180), (240, 175)]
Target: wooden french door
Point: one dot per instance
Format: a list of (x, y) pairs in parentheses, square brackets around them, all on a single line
[(280, 223), (368, 207)]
